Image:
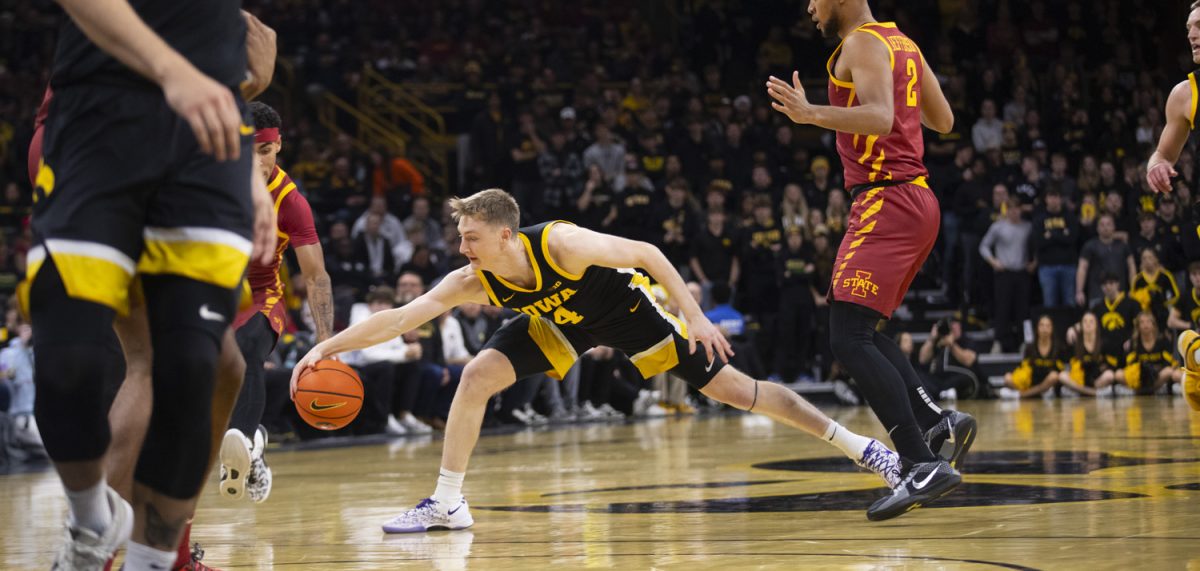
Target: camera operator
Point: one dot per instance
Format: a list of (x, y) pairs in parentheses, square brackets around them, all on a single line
[(950, 364)]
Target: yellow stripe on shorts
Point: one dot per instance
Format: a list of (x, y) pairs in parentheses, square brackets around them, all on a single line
[(210, 255), (90, 271)]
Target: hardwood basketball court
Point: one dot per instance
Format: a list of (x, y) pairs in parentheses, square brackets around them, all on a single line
[(1097, 484)]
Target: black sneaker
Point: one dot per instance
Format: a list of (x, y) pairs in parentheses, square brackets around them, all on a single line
[(957, 428), (924, 483)]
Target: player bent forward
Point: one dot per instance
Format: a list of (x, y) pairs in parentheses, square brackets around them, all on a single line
[(573, 293)]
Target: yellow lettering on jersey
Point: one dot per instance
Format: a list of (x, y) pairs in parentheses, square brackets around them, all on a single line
[(550, 303)]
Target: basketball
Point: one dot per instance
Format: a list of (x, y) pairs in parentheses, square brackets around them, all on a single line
[(328, 395)]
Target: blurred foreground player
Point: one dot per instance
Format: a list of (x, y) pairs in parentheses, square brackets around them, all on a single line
[(1181, 121), (575, 290), (880, 92), (134, 182)]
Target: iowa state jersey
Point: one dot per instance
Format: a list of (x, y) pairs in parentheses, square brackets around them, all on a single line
[(594, 301), (897, 155)]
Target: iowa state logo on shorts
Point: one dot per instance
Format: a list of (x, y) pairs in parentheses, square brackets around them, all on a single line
[(861, 285)]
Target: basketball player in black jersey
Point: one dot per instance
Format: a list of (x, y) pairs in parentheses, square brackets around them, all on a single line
[(566, 283), (146, 169), (1181, 121)]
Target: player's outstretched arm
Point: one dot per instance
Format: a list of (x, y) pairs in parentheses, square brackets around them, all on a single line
[(458, 287), (1161, 168), (576, 248), (868, 60), (319, 288), (935, 109), (208, 106)]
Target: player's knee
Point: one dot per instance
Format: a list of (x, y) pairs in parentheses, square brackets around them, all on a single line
[(484, 377), (71, 406), (175, 454)]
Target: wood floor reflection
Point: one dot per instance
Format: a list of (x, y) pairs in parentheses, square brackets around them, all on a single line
[(1104, 484)]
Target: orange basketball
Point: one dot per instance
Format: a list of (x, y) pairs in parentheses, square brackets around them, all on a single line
[(328, 395)]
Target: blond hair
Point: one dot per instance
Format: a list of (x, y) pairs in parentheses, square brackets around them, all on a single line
[(492, 206)]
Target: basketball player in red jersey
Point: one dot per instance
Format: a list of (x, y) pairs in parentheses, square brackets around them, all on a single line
[(881, 90), (1181, 121), (244, 470), (128, 414)]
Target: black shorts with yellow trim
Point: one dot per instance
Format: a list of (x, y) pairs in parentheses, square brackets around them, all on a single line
[(124, 189), (655, 341)]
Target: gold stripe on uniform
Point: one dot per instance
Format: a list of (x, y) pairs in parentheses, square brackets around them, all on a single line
[(554, 345), (660, 358), (488, 288), (1195, 94), (891, 54), (546, 252), (209, 255), (537, 271), (90, 271), (279, 174)]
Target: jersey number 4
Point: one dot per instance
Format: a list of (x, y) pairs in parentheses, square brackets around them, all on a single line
[(564, 316)]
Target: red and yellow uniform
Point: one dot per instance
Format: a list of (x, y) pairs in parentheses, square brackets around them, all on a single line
[(295, 228), (894, 218)]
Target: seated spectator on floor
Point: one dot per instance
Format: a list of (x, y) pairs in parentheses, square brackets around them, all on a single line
[(1116, 313), (16, 373), (950, 364), (1041, 367), (1091, 369), (1150, 363), (1154, 287)]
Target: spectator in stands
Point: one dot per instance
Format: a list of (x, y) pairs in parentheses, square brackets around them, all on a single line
[(1185, 313), (1055, 238), (16, 372), (607, 153), (1149, 236), (676, 221), (1005, 247), (421, 218), (395, 175), (524, 148), (1116, 314), (988, 132), (797, 308), (389, 371), (635, 203), (596, 205), (950, 363), (1041, 367), (346, 269), (348, 196), (562, 174), (1154, 287), (390, 226), (1102, 255), (762, 240), (374, 251), (1092, 370), (1150, 362)]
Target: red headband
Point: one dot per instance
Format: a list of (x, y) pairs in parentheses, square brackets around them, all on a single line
[(270, 135)]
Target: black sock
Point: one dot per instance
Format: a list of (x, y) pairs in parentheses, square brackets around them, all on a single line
[(852, 335)]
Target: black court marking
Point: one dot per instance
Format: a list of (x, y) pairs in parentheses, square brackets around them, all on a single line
[(672, 486), (1038, 462), (311, 391), (966, 495), (1194, 487)]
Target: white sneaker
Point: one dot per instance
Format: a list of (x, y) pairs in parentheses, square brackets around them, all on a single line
[(535, 418), (609, 412), (414, 426), (882, 461), (589, 412), (25, 431), (1008, 394), (1123, 391), (258, 481), (655, 410), (395, 427), (430, 515), (842, 390), (235, 463), (642, 403), (85, 550)]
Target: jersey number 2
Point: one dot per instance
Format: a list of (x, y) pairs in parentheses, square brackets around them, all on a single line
[(912, 82)]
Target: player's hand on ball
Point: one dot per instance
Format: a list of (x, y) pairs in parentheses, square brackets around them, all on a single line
[(1159, 177), (701, 330), (309, 361), (208, 107), (790, 99)]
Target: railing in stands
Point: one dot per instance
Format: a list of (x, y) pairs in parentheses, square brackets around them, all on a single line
[(391, 103)]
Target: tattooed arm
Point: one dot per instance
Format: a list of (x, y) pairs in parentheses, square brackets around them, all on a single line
[(320, 290)]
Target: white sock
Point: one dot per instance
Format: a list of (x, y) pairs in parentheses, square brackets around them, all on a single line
[(449, 487), (140, 557), (850, 443), (89, 508)]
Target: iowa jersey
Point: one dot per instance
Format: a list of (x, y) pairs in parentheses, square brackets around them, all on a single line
[(211, 34), (592, 301), (897, 155)]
